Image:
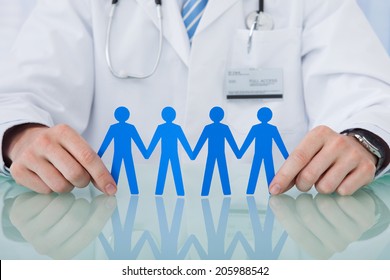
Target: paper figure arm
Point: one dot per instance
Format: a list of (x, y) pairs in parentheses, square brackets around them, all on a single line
[(279, 142), (184, 142), (248, 141), (138, 141), (232, 143), (106, 142), (153, 143), (202, 139)]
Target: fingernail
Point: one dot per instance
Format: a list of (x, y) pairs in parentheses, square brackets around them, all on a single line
[(110, 189), (275, 189)]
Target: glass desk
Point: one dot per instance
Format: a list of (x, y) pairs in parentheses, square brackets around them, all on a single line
[(88, 225)]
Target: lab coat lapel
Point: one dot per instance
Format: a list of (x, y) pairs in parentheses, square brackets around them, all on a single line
[(173, 27), (214, 9)]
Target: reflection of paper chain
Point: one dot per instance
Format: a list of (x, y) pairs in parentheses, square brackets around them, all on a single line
[(170, 135), (168, 245)]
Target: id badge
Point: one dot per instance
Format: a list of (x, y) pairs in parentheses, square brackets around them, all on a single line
[(252, 83)]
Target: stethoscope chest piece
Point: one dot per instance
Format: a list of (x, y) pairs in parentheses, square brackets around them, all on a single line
[(262, 21)]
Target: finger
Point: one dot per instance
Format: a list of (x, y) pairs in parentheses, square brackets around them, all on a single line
[(330, 181), (26, 177), (312, 172), (50, 175), (292, 184), (299, 158), (88, 158), (360, 177), (70, 169)]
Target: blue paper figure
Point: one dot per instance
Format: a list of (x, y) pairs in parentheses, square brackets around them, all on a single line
[(122, 133), (170, 134), (263, 134), (216, 134)]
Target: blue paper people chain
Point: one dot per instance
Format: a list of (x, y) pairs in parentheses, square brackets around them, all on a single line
[(170, 135)]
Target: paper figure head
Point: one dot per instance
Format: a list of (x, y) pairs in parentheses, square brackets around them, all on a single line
[(122, 114), (168, 114), (264, 114), (216, 114)]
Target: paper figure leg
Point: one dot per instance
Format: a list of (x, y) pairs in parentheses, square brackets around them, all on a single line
[(177, 177), (255, 170), (208, 175), (269, 169), (131, 177), (116, 167), (162, 175), (223, 173)]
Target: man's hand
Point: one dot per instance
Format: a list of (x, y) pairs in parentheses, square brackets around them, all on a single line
[(54, 159), (328, 160)]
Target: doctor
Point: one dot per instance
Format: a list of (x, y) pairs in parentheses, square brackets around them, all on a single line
[(329, 71)]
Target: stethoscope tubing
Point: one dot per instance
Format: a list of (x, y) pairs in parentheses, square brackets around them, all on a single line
[(123, 74)]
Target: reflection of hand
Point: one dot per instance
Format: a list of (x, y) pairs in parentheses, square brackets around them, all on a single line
[(325, 224), (330, 161), (60, 226)]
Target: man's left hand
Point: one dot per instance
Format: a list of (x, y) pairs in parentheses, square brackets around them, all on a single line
[(327, 160)]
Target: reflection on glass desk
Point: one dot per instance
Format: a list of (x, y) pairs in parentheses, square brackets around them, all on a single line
[(87, 225)]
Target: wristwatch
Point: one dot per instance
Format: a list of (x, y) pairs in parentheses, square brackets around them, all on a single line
[(374, 144)]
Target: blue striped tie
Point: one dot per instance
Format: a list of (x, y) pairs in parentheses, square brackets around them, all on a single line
[(192, 13)]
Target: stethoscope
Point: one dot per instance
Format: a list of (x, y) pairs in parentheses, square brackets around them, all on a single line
[(123, 74), (258, 20)]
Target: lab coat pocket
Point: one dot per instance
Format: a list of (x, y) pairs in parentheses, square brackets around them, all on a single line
[(270, 49)]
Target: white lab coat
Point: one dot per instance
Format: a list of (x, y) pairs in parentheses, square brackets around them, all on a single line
[(336, 72), (12, 16)]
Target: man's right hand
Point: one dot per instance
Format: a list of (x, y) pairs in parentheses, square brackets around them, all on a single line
[(55, 159)]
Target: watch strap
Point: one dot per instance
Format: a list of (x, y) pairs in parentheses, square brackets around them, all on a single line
[(373, 143)]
